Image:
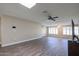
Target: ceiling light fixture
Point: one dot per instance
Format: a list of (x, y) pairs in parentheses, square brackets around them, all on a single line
[(29, 4)]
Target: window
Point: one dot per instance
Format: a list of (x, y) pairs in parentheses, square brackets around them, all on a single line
[(76, 30), (52, 30), (68, 30)]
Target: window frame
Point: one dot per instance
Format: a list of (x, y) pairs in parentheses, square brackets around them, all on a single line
[(52, 30)]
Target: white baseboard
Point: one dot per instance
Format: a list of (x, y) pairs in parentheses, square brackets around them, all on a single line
[(4, 45)]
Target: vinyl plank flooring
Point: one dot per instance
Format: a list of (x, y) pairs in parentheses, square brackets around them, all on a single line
[(46, 46)]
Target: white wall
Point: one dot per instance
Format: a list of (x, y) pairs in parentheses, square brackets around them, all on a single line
[(0, 30), (25, 30)]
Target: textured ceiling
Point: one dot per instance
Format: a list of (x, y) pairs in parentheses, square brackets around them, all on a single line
[(65, 12)]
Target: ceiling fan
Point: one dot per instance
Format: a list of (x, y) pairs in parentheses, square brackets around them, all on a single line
[(50, 17)]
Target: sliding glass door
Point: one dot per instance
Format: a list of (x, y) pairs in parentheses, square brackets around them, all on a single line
[(66, 30), (52, 30)]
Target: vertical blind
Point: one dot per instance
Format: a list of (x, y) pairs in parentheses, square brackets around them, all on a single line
[(67, 30), (52, 30)]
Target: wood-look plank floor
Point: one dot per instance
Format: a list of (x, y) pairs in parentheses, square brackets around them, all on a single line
[(46, 46)]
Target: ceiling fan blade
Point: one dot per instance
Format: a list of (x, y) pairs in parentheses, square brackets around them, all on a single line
[(56, 17), (50, 18), (53, 19)]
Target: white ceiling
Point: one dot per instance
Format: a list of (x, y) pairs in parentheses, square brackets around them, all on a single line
[(64, 11)]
